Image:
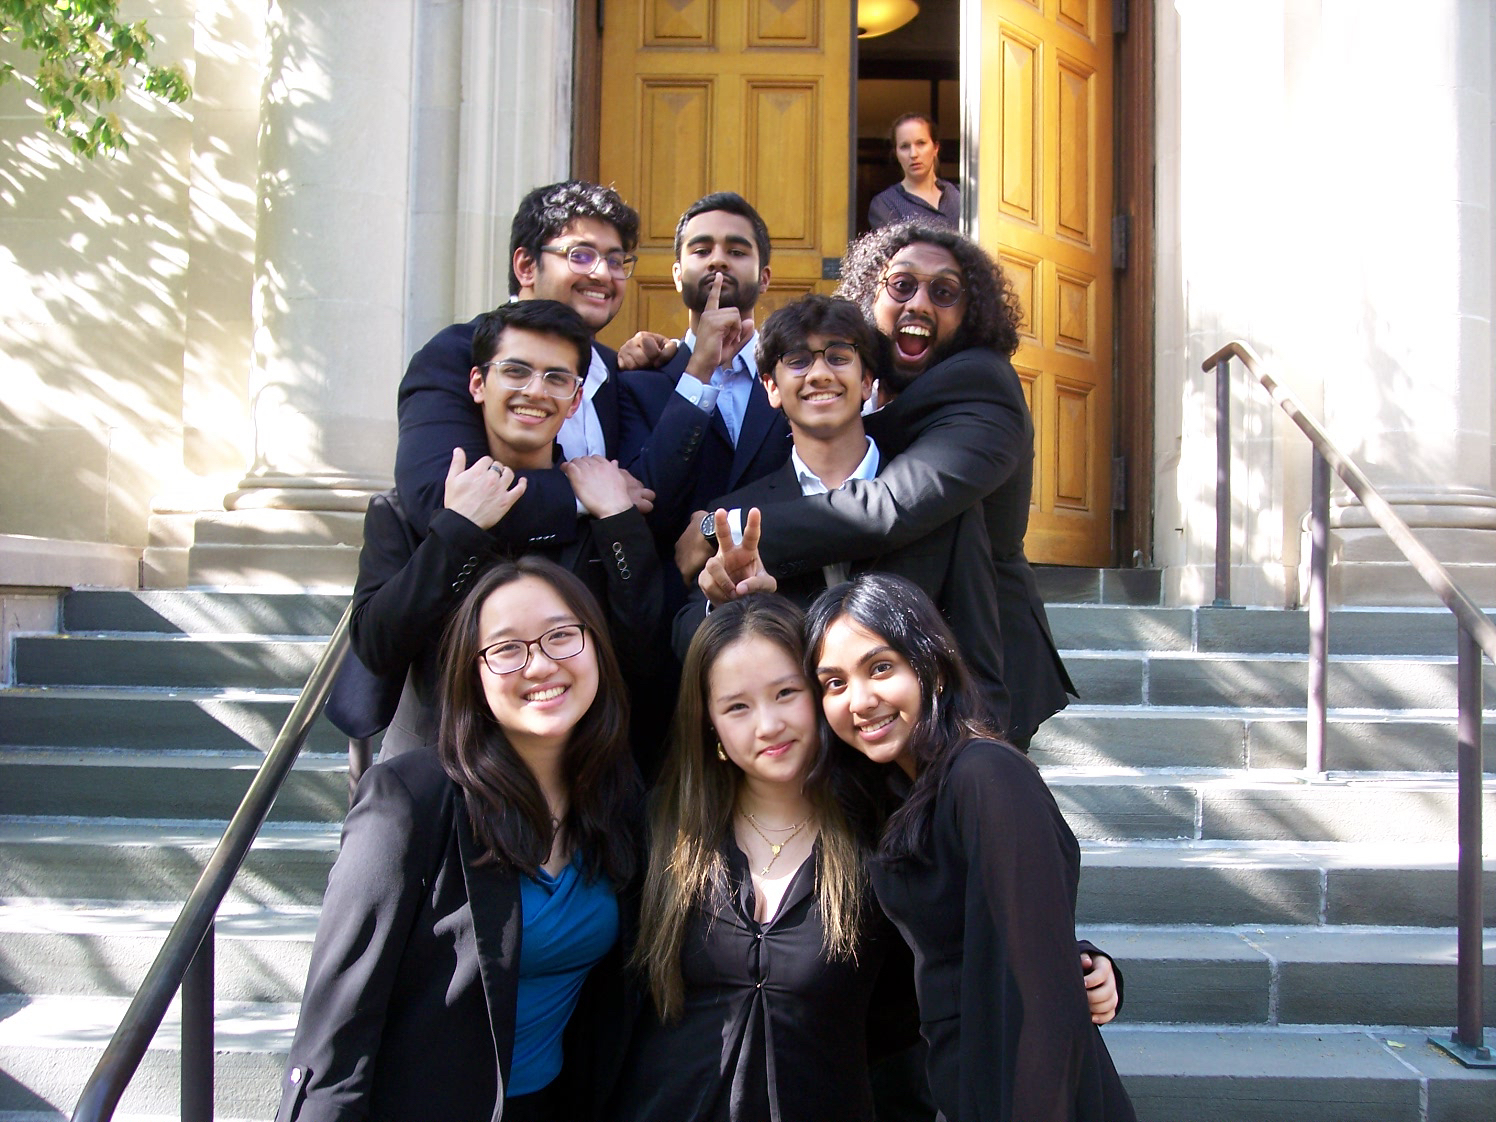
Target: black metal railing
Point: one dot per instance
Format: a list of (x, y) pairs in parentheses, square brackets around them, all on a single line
[(1477, 634), (185, 961)]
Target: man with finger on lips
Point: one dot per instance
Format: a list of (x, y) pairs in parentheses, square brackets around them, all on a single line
[(526, 378)]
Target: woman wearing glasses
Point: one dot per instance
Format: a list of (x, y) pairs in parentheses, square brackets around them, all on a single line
[(469, 944)]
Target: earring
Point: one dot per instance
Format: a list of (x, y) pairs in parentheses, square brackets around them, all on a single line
[(721, 755)]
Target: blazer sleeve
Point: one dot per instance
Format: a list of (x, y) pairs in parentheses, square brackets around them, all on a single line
[(437, 414), (967, 430), (403, 596), (663, 452), (1025, 1029), (390, 844), (636, 586)]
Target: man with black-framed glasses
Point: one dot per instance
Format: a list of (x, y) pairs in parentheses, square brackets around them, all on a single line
[(525, 379)]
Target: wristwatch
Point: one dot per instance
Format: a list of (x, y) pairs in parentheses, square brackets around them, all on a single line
[(709, 527)]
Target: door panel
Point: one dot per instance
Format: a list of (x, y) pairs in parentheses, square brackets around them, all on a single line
[(1044, 190), (723, 95)]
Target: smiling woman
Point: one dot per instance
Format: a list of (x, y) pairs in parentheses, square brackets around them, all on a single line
[(472, 920)]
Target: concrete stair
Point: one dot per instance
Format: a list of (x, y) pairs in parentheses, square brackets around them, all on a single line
[(1288, 941)]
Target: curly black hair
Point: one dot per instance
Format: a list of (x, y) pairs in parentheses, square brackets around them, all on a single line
[(548, 210), (992, 309)]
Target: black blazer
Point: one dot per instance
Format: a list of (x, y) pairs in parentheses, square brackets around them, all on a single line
[(436, 414), (952, 563), (409, 584), (409, 1007), (960, 434), (685, 454)]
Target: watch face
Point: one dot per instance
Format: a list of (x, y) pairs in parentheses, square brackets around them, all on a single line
[(709, 526)]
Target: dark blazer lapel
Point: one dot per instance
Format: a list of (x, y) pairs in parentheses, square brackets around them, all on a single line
[(605, 401), (758, 419), (493, 898)]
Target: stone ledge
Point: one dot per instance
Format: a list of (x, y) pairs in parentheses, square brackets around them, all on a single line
[(28, 563)]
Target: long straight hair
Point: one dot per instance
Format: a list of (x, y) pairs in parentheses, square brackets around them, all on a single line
[(510, 816), (691, 818), (950, 711)]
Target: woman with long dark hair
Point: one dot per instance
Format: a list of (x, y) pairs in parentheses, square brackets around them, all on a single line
[(759, 943), (456, 964), (977, 868)]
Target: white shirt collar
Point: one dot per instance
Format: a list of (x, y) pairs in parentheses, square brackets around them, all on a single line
[(810, 482)]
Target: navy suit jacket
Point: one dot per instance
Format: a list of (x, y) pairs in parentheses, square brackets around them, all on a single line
[(686, 454), (436, 414)]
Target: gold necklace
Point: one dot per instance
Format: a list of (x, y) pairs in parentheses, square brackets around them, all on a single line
[(774, 847)]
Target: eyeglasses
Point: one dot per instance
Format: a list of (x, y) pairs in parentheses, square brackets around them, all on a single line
[(944, 292), (838, 356), (557, 644), (518, 376), (583, 259)]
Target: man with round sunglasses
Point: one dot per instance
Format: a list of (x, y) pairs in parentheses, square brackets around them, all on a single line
[(956, 430), (525, 379)]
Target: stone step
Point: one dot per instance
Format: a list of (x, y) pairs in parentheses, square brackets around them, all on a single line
[(48, 947), (1290, 975), (153, 719), (1230, 883), (203, 612), (1353, 631), (1186, 678), (1233, 805), (164, 785), (1218, 736), (1063, 584), (49, 1045), (71, 859), (165, 661), (1330, 1074)]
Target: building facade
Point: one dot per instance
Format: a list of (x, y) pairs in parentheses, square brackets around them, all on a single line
[(201, 339)]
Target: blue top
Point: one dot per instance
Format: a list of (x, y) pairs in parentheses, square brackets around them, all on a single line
[(896, 205), (569, 923)]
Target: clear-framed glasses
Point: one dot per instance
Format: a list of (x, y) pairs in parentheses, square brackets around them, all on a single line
[(583, 259), (557, 644), (518, 376), (944, 292), (838, 356)]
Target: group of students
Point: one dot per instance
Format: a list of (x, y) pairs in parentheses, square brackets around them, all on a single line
[(846, 894)]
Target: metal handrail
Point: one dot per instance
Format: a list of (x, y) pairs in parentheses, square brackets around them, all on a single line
[(1476, 634), (185, 960)]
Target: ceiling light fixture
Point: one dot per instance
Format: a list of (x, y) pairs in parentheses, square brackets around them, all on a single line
[(879, 17)]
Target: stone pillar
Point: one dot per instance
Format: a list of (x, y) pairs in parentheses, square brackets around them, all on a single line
[(1410, 397)]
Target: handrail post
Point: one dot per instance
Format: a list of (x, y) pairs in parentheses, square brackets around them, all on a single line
[(1319, 616), (197, 1033), (1223, 485), (1468, 1007)]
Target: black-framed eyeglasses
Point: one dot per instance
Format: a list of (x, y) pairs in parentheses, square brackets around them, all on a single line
[(583, 259), (518, 376), (557, 644), (945, 292), (838, 356)]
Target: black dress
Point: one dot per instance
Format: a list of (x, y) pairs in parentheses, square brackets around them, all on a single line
[(989, 912), (770, 1031)]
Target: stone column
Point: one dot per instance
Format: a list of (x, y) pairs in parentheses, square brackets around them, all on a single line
[(1409, 396)]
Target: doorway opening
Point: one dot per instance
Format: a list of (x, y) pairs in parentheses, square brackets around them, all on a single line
[(914, 69)]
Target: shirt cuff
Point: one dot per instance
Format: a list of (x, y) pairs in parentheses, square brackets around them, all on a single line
[(735, 524), (702, 396)]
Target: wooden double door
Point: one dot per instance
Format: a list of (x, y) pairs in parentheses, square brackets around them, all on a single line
[(757, 96)]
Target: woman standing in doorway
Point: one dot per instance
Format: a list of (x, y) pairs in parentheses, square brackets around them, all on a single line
[(977, 867), (920, 194)]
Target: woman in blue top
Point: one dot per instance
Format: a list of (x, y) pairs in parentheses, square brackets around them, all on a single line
[(921, 193), (477, 886)]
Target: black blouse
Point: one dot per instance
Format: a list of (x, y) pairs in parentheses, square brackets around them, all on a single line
[(989, 912), (770, 1031)]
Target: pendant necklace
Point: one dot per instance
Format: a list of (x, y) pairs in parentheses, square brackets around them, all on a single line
[(774, 847)]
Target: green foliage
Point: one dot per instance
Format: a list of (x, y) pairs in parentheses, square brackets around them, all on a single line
[(84, 60)]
